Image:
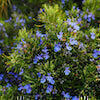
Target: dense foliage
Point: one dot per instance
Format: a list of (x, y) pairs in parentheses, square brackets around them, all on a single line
[(50, 50)]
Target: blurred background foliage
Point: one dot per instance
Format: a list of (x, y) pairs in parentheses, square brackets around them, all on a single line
[(33, 6)]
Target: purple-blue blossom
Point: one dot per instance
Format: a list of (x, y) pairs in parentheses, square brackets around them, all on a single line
[(79, 20), (36, 96), (96, 53), (35, 60), (43, 79), (50, 79), (1, 76), (90, 15), (81, 46), (57, 47), (60, 35), (1, 24), (20, 87), (67, 71), (46, 56), (63, 1), (92, 35), (19, 46), (85, 16), (21, 72), (67, 12), (14, 7), (1, 52), (45, 50), (49, 89), (89, 19), (8, 85), (38, 34), (39, 74), (73, 41), (28, 88), (1, 41), (30, 17), (75, 98), (68, 47), (66, 95), (76, 27), (39, 57)]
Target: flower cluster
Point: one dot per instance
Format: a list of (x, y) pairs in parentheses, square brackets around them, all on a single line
[(59, 55)]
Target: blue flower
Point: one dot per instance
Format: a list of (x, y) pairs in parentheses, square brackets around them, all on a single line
[(55, 91), (60, 35), (73, 41), (90, 15), (1, 24), (30, 17), (83, 1), (39, 57), (81, 46), (28, 88), (43, 79), (46, 56), (76, 27), (93, 17), (39, 74), (21, 72), (38, 34), (22, 20), (41, 42), (69, 21), (14, 7), (67, 71), (63, 1), (15, 75), (63, 93), (75, 98), (49, 88), (66, 95), (57, 47), (74, 7), (6, 80), (1, 76), (20, 88), (1, 41), (45, 50), (96, 53), (92, 35), (50, 79), (73, 24), (8, 85), (1, 52), (67, 12), (17, 19), (35, 60), (23, 41), (85, 16), (68, 47), (36, 96), (19, 46), (89, 19), (79, 20)]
